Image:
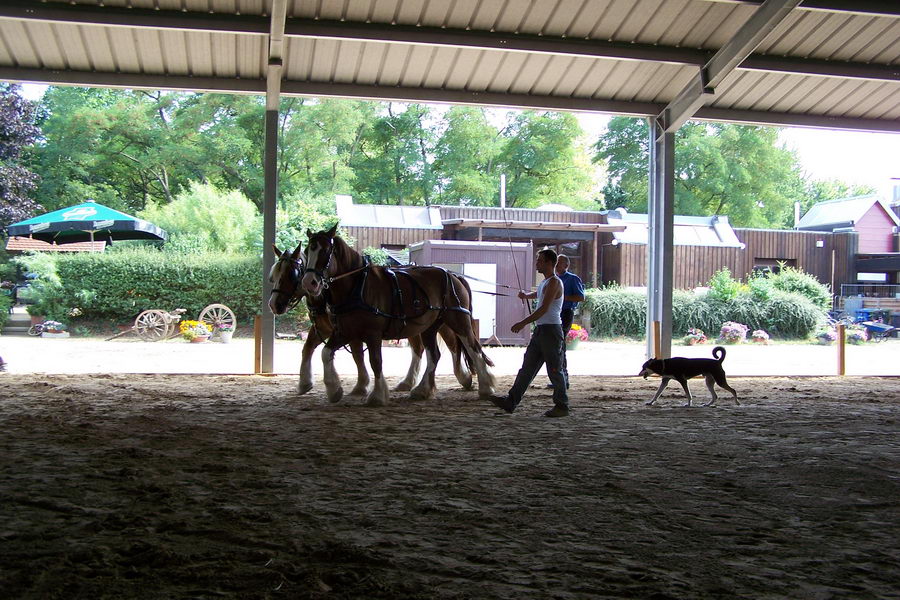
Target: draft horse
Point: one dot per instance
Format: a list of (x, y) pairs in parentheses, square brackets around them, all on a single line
[(287, 292), (369, 303)]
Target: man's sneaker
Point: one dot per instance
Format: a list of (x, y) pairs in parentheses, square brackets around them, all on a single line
[(502, 402), (557, 411)]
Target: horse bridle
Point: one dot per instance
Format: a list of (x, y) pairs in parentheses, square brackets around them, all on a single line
[(298, 269), (321, 273)]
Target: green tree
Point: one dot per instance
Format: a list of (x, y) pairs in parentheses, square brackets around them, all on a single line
[(203, 218), (819, 190), (320, 139), (393, 165), (466, 153), (720, 169), (543, 161), (17, 131)]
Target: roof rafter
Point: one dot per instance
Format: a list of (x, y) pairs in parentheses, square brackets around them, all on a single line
[(859, 7), (432, 36), (444, 96)]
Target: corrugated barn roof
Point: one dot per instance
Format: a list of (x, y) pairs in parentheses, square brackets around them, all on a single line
[(827, 63)]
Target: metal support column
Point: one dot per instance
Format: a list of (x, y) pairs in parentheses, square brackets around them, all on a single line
[(660, 240), (270, 169), (270, 196)]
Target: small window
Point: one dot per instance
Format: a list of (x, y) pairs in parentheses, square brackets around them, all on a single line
[(772, 265)]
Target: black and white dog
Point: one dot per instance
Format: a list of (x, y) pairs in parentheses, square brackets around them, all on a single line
[(681, 369)]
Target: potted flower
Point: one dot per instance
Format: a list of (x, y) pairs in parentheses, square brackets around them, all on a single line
[(826, 336), (733, 333), (223, 332), (54, 329), (759, 337), (575, 335), (694, 336), (857, 335), (194, 331)]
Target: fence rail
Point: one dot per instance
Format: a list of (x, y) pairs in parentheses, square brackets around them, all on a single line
[(871, 290)]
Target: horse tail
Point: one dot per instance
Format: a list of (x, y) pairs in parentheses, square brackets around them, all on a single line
[(719, 353), (478, 346)]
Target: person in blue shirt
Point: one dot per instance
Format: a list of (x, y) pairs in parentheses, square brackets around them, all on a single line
[(573, 293)]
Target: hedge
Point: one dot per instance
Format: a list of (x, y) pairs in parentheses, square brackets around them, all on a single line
[(618, 312), (118, 285)]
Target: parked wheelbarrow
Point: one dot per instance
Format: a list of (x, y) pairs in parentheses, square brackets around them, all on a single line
[(879, 331)]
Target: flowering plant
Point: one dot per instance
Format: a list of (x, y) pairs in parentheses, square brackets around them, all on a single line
[(733, 333), (857, 335), (826, 336), (759, 336), (75, 312), (694, 336), (223, 327), (54, 326), (193, 329), (577, 333)]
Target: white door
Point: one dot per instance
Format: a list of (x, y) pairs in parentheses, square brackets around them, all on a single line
[(484, 306)]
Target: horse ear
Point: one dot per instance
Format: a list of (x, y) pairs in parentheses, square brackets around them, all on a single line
[(276, 251), (333, 230), (297, 251), (309, 233)]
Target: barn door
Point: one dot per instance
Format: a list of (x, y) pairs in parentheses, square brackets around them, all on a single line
[(484, 306)]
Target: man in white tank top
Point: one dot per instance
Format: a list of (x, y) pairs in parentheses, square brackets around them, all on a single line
[(546, 345)]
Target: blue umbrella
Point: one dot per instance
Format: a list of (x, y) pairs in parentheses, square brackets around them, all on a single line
[(86, 222)]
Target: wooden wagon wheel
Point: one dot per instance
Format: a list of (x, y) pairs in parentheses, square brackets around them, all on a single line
[(218, 315), (152, 325)]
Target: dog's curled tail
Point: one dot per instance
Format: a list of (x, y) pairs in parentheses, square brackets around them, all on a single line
[(719, 353)]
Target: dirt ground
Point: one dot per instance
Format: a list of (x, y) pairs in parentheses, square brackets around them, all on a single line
[(179, 486)]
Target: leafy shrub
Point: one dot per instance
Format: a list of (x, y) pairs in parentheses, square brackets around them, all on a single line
[(790, 315), (794, 280), (723, 287), (378, 256), (5, 304), (116, 286), (616, 312)]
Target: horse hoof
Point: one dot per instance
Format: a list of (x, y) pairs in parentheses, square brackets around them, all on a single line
[(467, 385), (403, 386), (336, 397), (304, 387), (358, 391), (418, 395), (374, 402)]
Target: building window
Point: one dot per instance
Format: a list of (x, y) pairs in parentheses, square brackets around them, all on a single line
[(772, 265)]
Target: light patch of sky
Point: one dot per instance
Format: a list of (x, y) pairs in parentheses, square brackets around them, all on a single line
[(849, 156)]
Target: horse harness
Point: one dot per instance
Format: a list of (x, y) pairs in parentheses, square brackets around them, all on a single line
[(398, 314)]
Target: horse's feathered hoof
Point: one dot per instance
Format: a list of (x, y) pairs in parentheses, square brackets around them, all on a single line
[(403, 386), (359, 391), (374, 402), (304, 387), (336, 397)]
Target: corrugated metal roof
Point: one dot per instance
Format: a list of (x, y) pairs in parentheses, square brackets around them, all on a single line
[(843, 212), (384, 215), (688, 231), (829, 63)]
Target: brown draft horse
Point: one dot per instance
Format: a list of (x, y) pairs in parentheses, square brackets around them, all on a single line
[(371, 303), (286, 292)]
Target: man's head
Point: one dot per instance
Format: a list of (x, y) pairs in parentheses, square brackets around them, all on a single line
[(546, 261), (562, 264)]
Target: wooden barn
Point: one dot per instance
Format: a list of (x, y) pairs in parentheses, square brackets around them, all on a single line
[(611, 246)]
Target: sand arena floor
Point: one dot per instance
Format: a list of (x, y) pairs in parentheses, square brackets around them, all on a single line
[(202, 486)]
